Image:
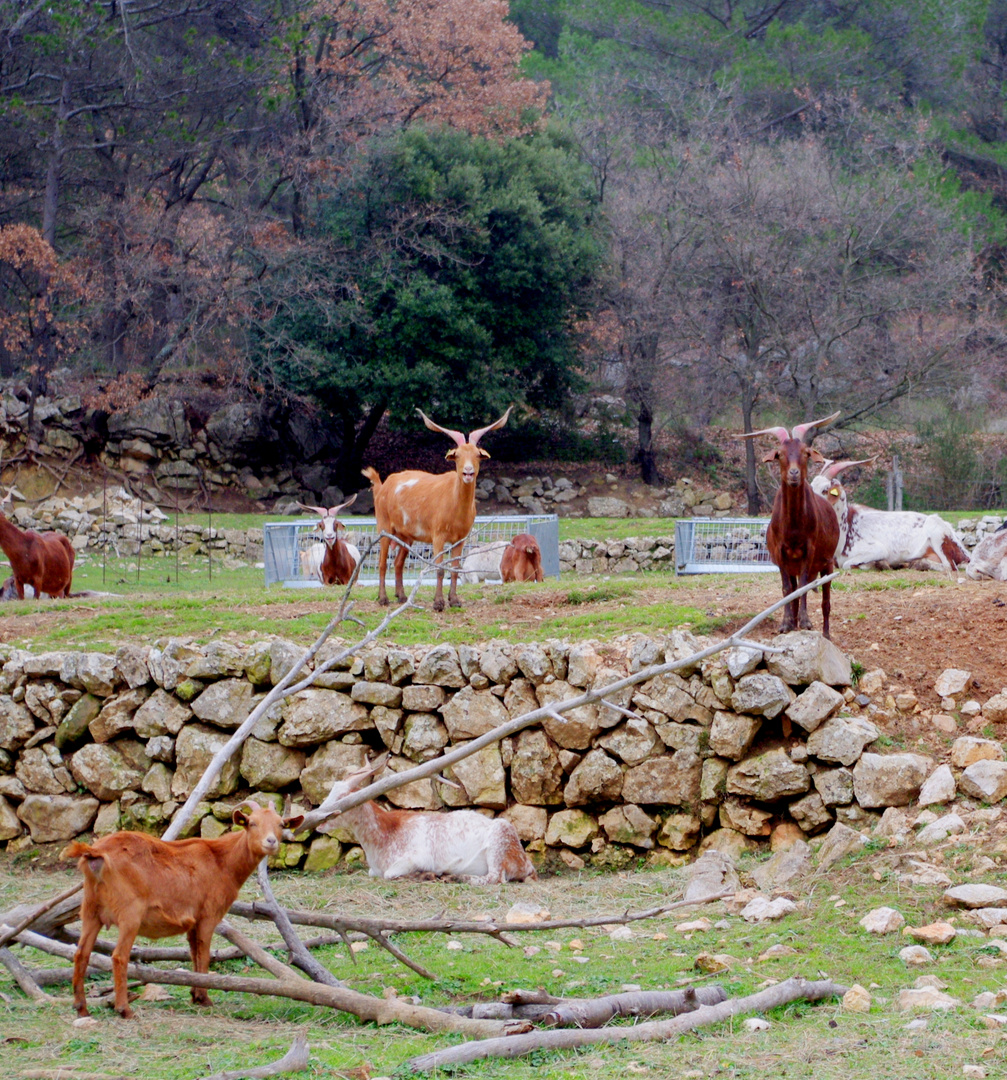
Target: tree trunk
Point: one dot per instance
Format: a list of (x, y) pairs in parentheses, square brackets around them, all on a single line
[(748, 398), (645, 454), (50, 203), (355, 443)]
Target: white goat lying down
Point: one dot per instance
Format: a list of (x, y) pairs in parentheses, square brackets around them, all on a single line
[(463, 843), (886, 538), (483, 561), (989, 555)]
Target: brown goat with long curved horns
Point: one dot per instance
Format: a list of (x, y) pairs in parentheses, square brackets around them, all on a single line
[(803, 532), (438, 509)]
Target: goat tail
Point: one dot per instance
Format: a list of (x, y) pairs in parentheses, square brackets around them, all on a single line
[(375, 479)]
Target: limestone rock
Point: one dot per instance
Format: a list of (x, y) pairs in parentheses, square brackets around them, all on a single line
[(270, 766), (783, 867), (314, 715), (762, 694), (939, 830), (10, 827), (482, 776), (160, 714), (195, 748), (423, 699), (328, 764), (889, 779), (809, 657), (440, 666), (939, 787), (975, 896), (814, 705), (597, 778), (578, 727), (745, 818), (423, 736), (938, 933), (94, 672), (842, 739), (73, 726), (536, 774), (952, 681), (471, 713), (835, 786), (967, 749), (632, 742), (840, 841), (628, 824), (732, 734), (131, 665), (985, 780), (669, 780), (217, 660), (57, 817), (883, 920), (712, 874), (762, 909), (225, 704), (679, 832), (167, 665), (17, 725), (768, 777), (810, 812), (530, 822), (571, 828)]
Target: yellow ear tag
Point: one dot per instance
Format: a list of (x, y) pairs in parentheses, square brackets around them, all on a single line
[(834, 491)]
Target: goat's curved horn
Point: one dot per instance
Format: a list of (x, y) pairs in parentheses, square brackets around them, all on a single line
[(802, 429), (476, 435), (333, 510), (319, 510), (834, 468), (458, 437), (780, 432)]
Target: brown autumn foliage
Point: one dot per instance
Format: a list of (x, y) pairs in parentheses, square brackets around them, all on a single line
[(36, 290)]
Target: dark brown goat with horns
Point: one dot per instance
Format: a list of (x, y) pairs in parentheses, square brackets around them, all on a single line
[(803, 532)]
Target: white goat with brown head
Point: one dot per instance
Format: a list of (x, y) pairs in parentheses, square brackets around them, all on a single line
[(338, 558), (437, 509)]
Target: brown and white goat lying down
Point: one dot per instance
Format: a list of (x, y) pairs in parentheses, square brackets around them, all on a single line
[(462, 843), (160, 888)]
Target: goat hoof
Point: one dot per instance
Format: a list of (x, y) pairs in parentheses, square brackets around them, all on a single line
[(127, 1013), (455, 603), (438, 605), (383, 601)]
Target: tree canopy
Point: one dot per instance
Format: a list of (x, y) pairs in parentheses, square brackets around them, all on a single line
[(449, 274)]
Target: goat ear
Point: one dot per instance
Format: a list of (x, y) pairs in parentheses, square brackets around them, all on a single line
[(815, 455), (239, 817), (452, 453), (483, 453), (293, 822), (771, 456)]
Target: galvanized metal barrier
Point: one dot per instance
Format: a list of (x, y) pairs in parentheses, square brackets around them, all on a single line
[(285, 542), (722, 546)]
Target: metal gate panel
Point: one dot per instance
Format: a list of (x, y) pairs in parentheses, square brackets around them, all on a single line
[(285, 542), (722, 546)]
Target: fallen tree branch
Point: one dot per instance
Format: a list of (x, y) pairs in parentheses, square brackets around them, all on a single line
[(22, 976), (299, 955), (376, 1010), (25, 920), (518, 1045), (294, 1060), (372, 927), (255, 952)]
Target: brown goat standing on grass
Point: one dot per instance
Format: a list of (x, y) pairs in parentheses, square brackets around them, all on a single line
[(160, 888), (803, 532), (522, 560), (42, 560), (437, 509)]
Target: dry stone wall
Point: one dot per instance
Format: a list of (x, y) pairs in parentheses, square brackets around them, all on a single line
[(720, 754)]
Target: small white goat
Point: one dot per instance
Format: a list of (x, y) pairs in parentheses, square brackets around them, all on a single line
[(483, 561), (463, 843), (886, 538)]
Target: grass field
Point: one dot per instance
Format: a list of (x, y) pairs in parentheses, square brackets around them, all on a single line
[(171, 1039)]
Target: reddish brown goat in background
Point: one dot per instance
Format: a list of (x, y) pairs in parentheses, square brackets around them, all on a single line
[(803, 532), (42, 560), (436, 509), (160, 888), (522, 560)]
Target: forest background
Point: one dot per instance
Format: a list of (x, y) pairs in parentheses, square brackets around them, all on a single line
[(638, 219)]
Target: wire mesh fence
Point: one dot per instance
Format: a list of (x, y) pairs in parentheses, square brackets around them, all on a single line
[(722, 546), (290, 560)]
